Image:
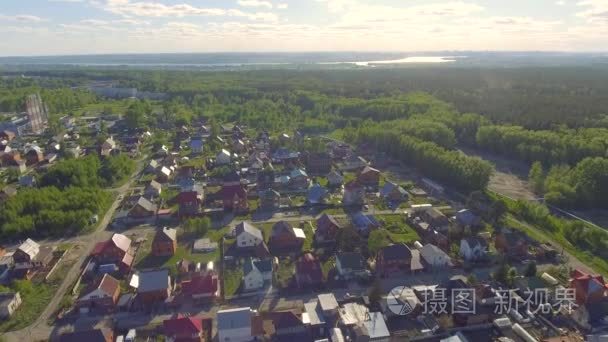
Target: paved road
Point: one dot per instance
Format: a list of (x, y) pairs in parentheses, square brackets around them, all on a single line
[(39, 329)]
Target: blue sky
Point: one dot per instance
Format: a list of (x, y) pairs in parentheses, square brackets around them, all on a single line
[(51, 27)]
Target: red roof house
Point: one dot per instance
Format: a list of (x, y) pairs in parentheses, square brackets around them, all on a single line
[(187, 329), (308, 271), (285, 237), (327, 229), (589, 288), (116, 250), (201, 286), (369, 177), (102, 297), (234, 198)]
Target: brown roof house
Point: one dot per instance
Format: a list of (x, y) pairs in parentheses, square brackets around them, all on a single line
[(286, 238), (318, 163), (392, 258), (116, 250), (93, 335), (369, 178), (327, 229), (354, 194), (511, 244), (436, 219), (32, 254), (165, 242), (308, 271), (103, 297), (34, 155), (143, 208)]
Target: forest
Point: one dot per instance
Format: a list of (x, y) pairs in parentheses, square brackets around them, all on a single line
[(552, 115)]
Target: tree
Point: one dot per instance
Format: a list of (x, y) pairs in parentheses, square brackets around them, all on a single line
[(136, 115), (199, 226), (348, 239), (497, 211), (377, 240), (375, 292), (536, 177), (530, 270)]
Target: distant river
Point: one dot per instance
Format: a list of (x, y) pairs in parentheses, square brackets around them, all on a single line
[(416, 59)]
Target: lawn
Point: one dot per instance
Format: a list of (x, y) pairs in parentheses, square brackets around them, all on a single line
[(285, 272), (328, 265), (93, 109), (232, 281), (398, 230), (35, 299)]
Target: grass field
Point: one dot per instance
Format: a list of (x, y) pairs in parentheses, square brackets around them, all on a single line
[(398, 230), (35, 298), (232, 280)]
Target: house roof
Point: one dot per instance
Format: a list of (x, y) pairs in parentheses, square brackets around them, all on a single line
[(475, 242), (223, 153), (234, 318), (263, 266), (389, 187), (29, 247), (108, 284), (249, 228), (315, 315), (328, 301), (121, 241), (166, 234), (229, 191), (200, 284), (399, 251), (153, 280), (298, 173), (352, 186), (316, 193), (376, 327), (335, 176), (93, 335), (364, 221), (155, 185), (146, 204), (309, 265), (369, 170), (181, 325), (351, 260), (285, 319), (326, 219), (466, 217)]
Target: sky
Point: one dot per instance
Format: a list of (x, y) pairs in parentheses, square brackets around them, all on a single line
[(63, 27)]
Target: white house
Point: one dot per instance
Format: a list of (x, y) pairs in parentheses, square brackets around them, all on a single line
[(472, 249), (108, 146), (247, 235), (234, 325), (335, 179), (223, 157), (435, 256), (9, 302), (256, 273)]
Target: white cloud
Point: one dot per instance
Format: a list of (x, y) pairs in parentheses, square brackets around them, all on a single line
[(24, 18), (560, 3), (254, 3), (282, 6), (127, 8), (597, 10)]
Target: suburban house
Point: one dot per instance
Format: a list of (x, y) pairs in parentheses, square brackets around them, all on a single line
[(9, 302), (164, 174), (189, 202), (187, 329), (308, 271), (103, 297), (27, 181), (223, 158), (317, 321), (116, 250), (327, 229), (364, 223), (152, 167), (298, 179), (234, 198), (143, 208), (316, 194), (589, 288), (473, 248), (285, 237), (34, 155), (511, 244), (152, 286), (281, 326), (26, 252), (334, 179), (247, 235), (269, 200), (196, 145), (201, 286), (107, 147), (392, 192), (234, 325), (318, 163), (256, 273), (466, 218), (354, 163), (265, 179), (354, 194), (165, 242), (153, 190), (395, 257), (92, 335), (369, 178), (436, 219), (435, 256), (351, 265)]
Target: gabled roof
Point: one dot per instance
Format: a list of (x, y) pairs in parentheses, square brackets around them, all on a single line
[(153, 280), (146, 204), (29, 247), (369, 170), (351, 260), (166, 234), (200, 284), (316, 193), (475, 242), (249, 228), (228, 192), (234, 318), (192, 325), (263, 266), (155, 185), (93, 335), (352, 186), (298, 173), (121, 241), (466, 217), (328, 301), (389, 187), (223, 153), (108, 285), (399, 251)]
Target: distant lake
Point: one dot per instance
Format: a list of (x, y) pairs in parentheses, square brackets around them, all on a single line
[(415, 59)]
